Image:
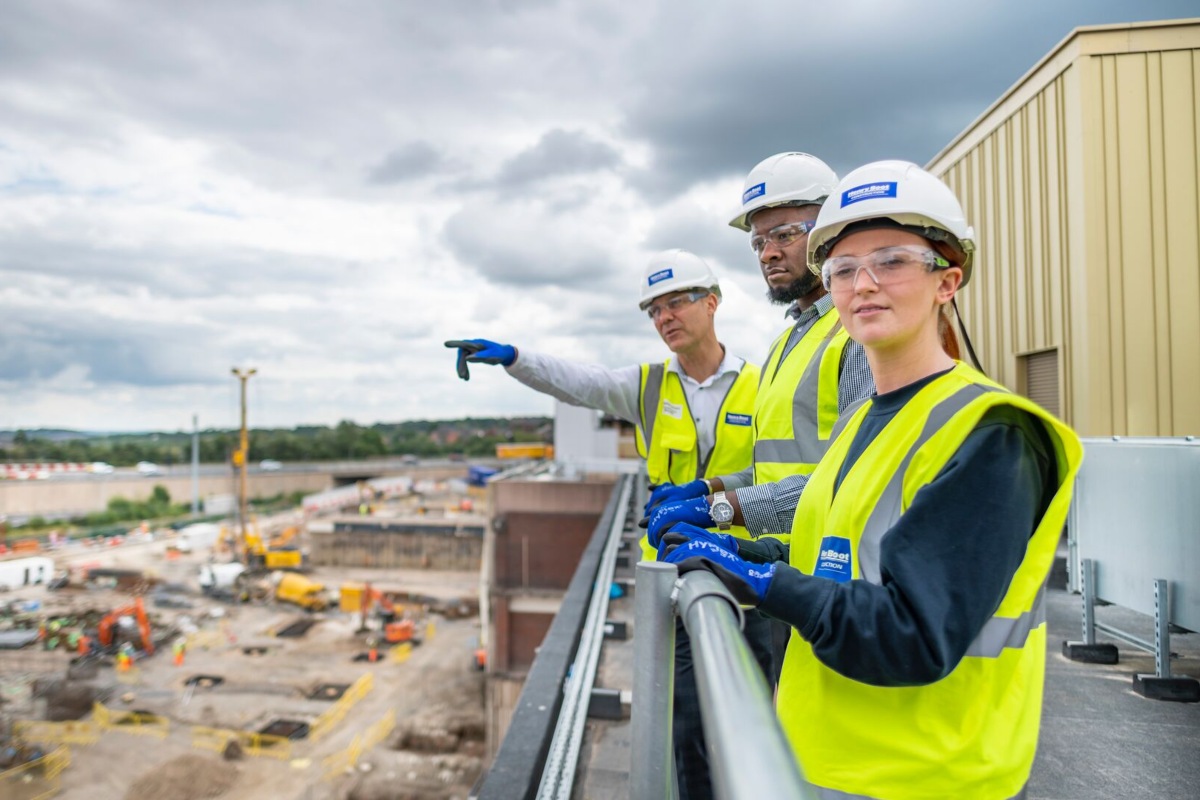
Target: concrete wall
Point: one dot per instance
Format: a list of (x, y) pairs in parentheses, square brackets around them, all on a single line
[(1082, 184), (397, 548), (92, 494)]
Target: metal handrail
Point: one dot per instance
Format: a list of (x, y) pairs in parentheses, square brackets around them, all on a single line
[(749, 755)]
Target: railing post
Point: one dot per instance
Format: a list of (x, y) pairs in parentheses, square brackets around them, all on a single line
[(652, 771)]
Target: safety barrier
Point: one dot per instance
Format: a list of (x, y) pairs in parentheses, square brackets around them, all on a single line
[(74, 732), (259, 745), (133, 722), (751, 756), (38, 779), (357, 691), (339, 762)]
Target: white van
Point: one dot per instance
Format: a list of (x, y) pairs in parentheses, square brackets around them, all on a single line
[(148, 468)]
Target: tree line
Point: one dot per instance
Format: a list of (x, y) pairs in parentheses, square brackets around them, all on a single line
[(346, 440)]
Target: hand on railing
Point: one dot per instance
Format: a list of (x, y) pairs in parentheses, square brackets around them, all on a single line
[(746, 581), (692, 510), (668, 492)]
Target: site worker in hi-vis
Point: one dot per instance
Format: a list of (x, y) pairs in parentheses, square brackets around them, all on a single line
[(693, 412), (915, 577), (694, 415)]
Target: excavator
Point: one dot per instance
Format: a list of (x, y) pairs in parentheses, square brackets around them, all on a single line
[(137, 610), (272, 554), (362, 596)]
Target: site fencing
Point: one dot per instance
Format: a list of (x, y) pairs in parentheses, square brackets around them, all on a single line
[(134, 722), (38, 779), (347, 759), (259, 745), (327, 721), (73, 732)]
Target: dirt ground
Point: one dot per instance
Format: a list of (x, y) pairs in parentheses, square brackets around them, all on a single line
[(435, 751)]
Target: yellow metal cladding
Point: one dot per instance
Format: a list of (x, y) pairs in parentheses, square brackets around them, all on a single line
[(1082, 183)]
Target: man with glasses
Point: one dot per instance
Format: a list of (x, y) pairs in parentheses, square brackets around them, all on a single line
[(692, 413)]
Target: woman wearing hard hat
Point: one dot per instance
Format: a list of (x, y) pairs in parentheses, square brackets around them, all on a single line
[(920, 549)]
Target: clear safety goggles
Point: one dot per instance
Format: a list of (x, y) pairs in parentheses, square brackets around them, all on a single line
[(674, 304), (885, 266), (781, 235)]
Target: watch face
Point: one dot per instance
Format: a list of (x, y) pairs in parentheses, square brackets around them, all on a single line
[(722, 512)]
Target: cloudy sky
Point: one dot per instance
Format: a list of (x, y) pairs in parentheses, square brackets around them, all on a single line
[(327, 191)]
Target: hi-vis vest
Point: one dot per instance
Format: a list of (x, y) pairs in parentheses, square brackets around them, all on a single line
[(797, 403), (974, 732), (672, 453)]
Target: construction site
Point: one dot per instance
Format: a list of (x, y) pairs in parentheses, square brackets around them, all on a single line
[(329, 653)]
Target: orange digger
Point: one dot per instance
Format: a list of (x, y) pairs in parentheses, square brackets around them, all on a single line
[(137, 610)]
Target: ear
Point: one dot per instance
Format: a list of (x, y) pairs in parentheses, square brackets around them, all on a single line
[(950, 280)]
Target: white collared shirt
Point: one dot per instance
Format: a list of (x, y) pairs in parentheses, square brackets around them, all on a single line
[(615, 391)]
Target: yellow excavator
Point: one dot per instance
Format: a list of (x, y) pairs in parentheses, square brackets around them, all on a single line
[(274, 553)]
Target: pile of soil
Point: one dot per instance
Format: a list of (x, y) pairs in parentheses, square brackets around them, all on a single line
[(189, 777)]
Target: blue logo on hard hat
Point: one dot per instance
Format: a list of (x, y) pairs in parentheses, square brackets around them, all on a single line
[(737, 419), (757, 190), (834, 560), (868, 191), (661, 275)]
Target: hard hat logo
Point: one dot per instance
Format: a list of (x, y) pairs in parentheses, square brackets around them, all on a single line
[(758, 190), (870, 191), (661, 275)]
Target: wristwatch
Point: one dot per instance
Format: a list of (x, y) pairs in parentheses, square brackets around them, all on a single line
[(721, 511)]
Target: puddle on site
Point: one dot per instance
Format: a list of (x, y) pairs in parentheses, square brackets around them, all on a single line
[(286, 728), (329, 691), (256, 651)]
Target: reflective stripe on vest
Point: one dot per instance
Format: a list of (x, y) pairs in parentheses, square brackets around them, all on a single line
[(798, 401)]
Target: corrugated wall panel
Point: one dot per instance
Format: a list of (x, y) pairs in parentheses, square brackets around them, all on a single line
[(1012, 188), (1148, 130), (1181, 216)]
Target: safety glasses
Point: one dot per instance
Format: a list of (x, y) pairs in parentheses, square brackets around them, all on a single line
[(781, 236), (885, 266), (674, 304)]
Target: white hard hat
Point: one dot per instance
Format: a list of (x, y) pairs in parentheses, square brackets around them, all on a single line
[(902, 193), (784, 179), (676, 271)]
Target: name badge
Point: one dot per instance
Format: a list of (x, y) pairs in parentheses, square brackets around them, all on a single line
[(672, 410)]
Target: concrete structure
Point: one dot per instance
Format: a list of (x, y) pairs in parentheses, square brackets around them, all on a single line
[(538, 531), (1083, 184), (452, 543)]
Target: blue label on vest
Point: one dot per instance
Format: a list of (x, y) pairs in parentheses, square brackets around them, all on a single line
[(661, 275), (737, 419), (833, 561), (757, 190), (868, 191)]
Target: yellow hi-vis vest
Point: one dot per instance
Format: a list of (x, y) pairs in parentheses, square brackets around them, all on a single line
[(797, 403), (673, 454), (973, 733)]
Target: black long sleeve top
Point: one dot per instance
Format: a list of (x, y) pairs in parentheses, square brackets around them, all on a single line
[(944, 566)]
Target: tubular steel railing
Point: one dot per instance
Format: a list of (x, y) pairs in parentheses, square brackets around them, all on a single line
[(749, 755)]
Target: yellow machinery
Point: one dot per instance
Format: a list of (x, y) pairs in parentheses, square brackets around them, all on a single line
[(304, 592), (273, 554), (525, 450)]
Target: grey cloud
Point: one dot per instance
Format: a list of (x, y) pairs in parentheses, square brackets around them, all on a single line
[(848, 90), (408, 162), (556, 154)]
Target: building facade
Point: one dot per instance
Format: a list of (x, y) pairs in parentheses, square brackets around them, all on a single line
[(1083, 184)]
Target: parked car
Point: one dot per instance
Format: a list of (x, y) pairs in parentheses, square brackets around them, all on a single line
[(102, 468), (270, 465), (148, 468)]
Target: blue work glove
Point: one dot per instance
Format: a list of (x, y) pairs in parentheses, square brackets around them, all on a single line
[(681, 533), (666, 492), (694, 510), (481, 351), (746, 581)]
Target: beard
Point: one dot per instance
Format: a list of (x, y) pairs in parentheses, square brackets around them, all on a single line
[(801, 287)]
